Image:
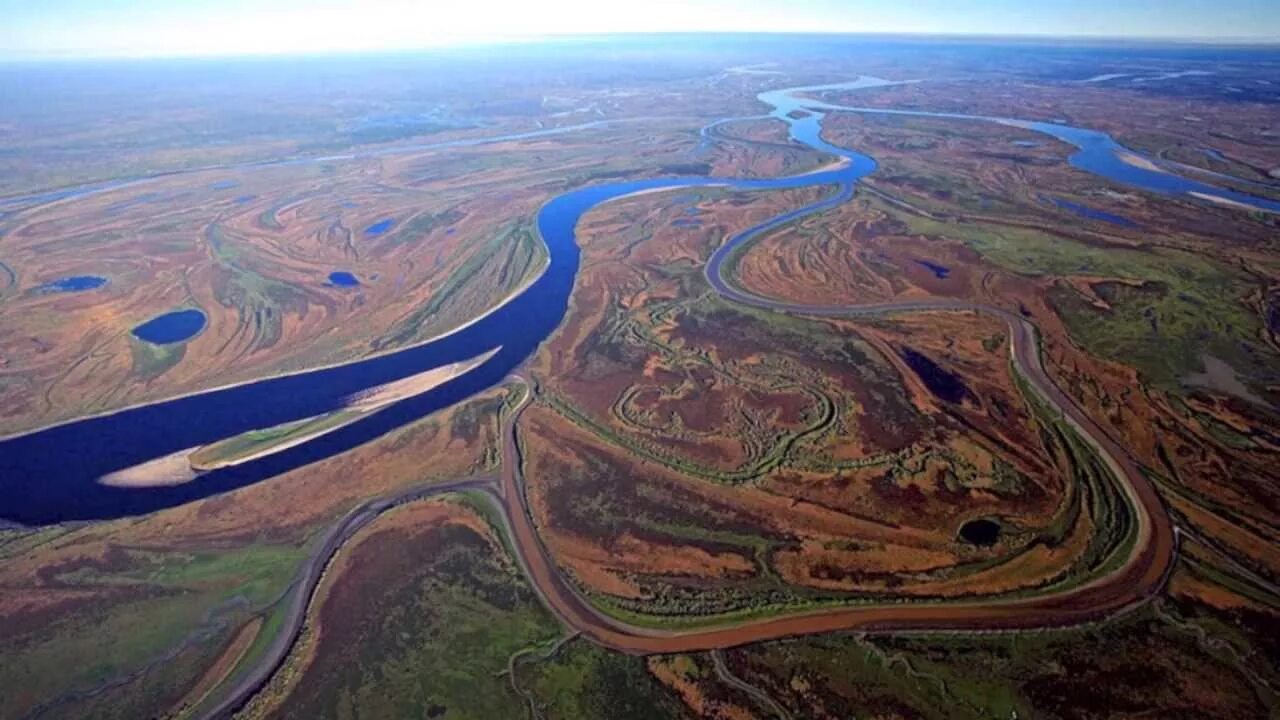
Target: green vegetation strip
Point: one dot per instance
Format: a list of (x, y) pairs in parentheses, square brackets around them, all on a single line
[(231, 450)]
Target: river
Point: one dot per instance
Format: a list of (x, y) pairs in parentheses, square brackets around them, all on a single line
[(52, 475)]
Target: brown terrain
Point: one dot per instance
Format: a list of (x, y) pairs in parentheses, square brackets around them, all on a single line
[(771, 505)]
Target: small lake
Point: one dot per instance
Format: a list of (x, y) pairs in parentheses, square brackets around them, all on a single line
[(343, 279), (1085, 211), (172, 327), (379, 227), (74, 283), (983, 533), (945, 385)]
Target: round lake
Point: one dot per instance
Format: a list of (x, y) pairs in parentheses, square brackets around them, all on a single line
[(171, 327), (983, 533)]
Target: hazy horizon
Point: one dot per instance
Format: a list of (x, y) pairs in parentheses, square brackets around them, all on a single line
[(80, 29)]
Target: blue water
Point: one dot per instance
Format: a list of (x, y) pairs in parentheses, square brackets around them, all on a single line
[(343, 279), (686, 223), (224, 185), (40, 491), (379, 227), (171, 327), (245, 198), (945, 385), (1096, 153), (939, 271), (982, 532), (1093, 213), (74, 283)]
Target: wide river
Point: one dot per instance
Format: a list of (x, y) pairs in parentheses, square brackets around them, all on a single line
[(53, 475)]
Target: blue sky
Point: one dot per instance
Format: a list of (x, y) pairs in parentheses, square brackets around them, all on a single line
[(33, 28)]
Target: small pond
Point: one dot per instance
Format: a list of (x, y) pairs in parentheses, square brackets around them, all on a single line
[(1085, 211), (343, 279), (981, 532), (379, 227), (74, 283), (171, 327), (945, 385)]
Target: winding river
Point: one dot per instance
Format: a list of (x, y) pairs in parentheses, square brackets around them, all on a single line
[(52, 475)]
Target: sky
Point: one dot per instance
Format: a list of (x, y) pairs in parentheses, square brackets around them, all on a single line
[(142, 28)]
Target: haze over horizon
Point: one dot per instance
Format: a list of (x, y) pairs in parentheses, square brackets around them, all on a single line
[(153, 28)]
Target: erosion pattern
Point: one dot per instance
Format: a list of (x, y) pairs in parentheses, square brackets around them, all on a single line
[(1147, 558), (134, 437)]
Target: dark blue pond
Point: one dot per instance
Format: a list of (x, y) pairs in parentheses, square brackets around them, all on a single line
[(343, 279), (944, 384), (939, 271), (224, 185), (37, 490), (171, 327), (379, 227), (74, 283), (983, 532), (1085, 211)]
